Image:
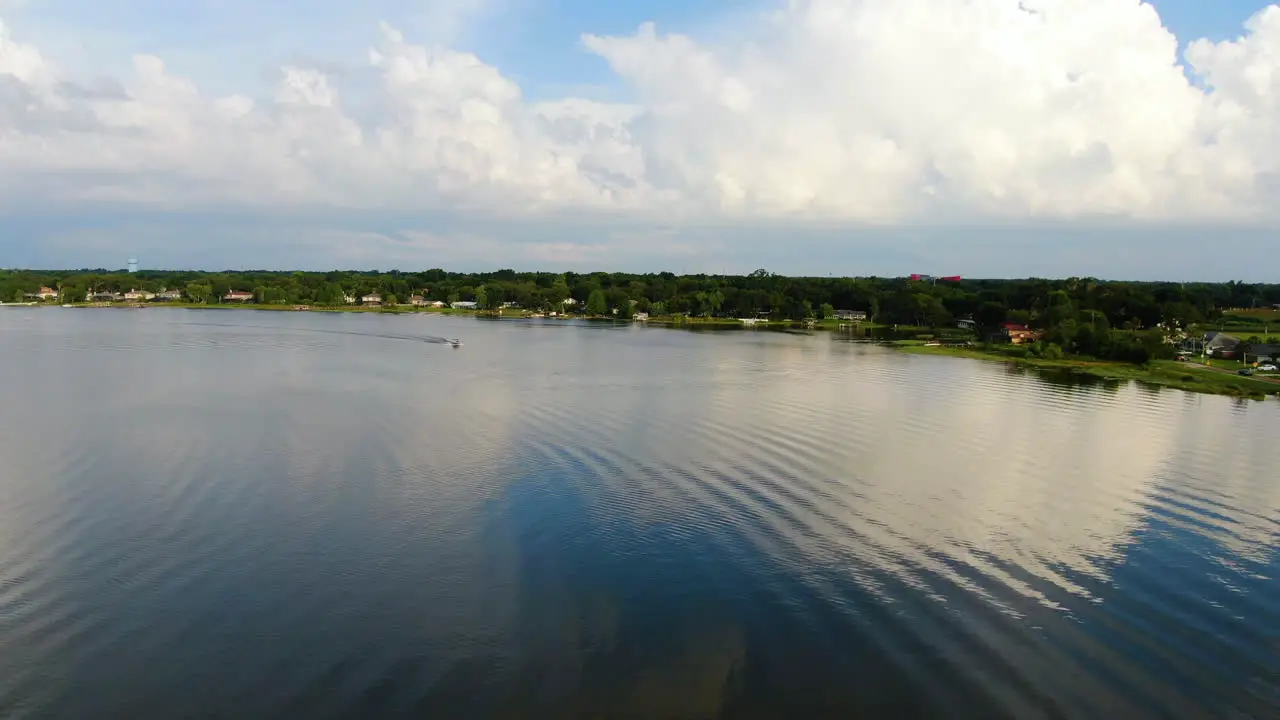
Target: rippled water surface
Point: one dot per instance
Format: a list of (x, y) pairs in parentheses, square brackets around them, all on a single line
[(241, 514)]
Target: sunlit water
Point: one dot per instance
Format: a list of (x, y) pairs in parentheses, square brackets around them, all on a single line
[(242, 514)]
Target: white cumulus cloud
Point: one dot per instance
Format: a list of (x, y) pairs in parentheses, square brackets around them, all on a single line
[(833, 110)]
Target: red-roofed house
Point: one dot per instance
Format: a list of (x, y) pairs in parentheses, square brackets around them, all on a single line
[(1018, 334)]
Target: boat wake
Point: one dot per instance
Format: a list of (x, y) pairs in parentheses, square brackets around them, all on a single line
[(433, 339)]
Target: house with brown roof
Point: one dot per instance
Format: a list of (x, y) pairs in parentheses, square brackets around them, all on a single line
[(237, 296)]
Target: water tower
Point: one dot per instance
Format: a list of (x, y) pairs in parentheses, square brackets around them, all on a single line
[(133, 265)]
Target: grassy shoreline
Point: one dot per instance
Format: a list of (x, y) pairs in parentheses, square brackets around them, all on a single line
[(1186, 376)]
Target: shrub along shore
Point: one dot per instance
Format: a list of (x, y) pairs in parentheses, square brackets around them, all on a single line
[(1189, 375)]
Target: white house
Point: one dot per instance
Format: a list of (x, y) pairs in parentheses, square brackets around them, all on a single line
[(371, 299), (138, 296), (1220, 345), (464, 305)]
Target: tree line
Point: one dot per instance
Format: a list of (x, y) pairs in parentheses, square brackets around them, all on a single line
[(1079, 315)]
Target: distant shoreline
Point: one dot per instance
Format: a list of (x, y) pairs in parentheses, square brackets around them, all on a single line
[(665, 320), (1188, 376)]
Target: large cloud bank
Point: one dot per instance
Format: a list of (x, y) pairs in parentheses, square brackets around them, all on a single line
[(833, 110)]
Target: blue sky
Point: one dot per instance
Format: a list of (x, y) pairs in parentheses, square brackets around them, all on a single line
[(231, 44), (688, 156)]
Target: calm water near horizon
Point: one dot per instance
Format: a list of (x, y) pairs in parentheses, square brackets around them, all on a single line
[(240, 514)]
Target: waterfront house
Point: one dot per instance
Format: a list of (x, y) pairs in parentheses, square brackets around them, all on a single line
[(1220, 345), (168, 295), (437, 303), (1018, 334), (47, 293), (101, 296), (1263, 352), (464, 305), (851, 315), (138, 296), (371, 299), (237, 296), (417, 301)]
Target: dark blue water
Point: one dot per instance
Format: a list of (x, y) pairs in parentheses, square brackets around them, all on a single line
[(255, 515)]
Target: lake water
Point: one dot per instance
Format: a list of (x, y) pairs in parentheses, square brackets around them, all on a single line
[(249, 515)]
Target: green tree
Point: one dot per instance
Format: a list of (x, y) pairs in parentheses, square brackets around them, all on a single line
[(1244, 350), (826, 310), (558, 293), (991, 315), (1021, 317), (389, 299), (199, 292), (596, 303), (715, 300), (330, 294), (482, 297)]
